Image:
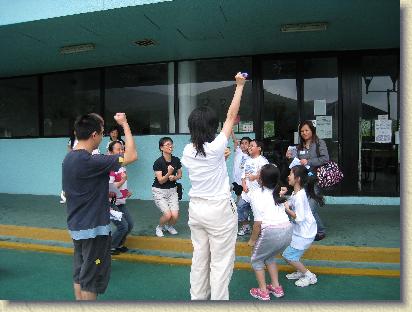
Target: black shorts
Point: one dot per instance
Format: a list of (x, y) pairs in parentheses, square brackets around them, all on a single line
[(238, 189), (92, 263)]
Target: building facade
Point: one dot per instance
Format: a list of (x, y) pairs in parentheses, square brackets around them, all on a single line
[(332, 62)]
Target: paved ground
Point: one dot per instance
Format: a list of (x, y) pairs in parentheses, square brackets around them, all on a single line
[(348, 225), (29, 275), (36, 276)]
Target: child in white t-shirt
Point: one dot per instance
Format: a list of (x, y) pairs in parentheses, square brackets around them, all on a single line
[(304, 227), (241, 155), (272, 231), (250, 175)]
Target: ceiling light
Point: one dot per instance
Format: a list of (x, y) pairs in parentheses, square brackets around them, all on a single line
[(77, 48), (145, 42), (320, 26)]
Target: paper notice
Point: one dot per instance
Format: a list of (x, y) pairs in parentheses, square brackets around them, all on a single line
[(295, 137), (319, 107), (383, 131), (324, 127)]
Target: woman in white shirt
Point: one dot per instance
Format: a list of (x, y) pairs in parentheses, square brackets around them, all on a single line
[(272, 231), (212, 214)]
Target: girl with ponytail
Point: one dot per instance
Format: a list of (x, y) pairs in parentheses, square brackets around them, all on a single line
[(304, 224), (272, 231)]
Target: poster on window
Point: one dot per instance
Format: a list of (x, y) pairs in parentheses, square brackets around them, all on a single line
[(319, 107), (383, 131), (246, 126), (324, 127), (268, 129)]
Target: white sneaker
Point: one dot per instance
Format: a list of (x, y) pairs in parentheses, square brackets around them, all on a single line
[(295, 275), (306, 280), (159, 231), (170, 229), (63, 198)]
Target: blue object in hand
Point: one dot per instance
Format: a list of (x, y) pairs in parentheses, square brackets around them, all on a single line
[(244, 75)]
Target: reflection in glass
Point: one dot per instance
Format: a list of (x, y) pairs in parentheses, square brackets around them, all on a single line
[(320, 89), (280, 110), (18, 107), (379, 173), (145, 93), (211, 83), (67, 96)]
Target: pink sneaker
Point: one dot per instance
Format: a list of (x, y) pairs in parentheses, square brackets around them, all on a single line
[(276, 291), (259, 294)]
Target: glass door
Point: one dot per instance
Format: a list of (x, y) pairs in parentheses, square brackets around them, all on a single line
[(379, 126), (280, 110), (321, 101)]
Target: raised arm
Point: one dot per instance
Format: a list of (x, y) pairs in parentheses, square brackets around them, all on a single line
[(130, 154), (235, 141), (233, 110)]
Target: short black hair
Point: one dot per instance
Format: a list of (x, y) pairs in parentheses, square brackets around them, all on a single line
[(85, 125), (112, 144), (245, 138), (258, 144), (163, 140)]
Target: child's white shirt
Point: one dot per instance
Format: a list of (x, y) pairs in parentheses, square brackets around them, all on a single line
[(304, 227), (252, 166), (238, 165), (265, 209)]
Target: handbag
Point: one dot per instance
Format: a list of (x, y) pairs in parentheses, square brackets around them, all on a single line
[(329, 174)]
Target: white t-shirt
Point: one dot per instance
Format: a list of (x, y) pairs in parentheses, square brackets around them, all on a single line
[(94, 152), (265, 210), (304, 227), (238, 165), (208, 175), (252, 166)]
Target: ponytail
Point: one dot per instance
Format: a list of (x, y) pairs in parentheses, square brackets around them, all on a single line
[(269, 177), (310, 189), (308, 181), (276, 197)]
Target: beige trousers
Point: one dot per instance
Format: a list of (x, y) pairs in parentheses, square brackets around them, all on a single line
[(213, 227)]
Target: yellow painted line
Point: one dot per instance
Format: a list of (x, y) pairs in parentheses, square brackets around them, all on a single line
[(331, 270), (184, 261), (315, 252), (35, 233), (36, 247)]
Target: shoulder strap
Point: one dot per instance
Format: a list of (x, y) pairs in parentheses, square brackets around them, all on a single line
[(317, 148)]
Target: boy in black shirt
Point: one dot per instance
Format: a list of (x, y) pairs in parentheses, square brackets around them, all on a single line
[(85, 181)]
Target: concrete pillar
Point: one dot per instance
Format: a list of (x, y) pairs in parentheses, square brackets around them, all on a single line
[(171, 96), (187, 93)]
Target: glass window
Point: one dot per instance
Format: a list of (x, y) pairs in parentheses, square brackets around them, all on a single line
[(145, 93), (280, 109), (66, 96), (211, 83), (379, 126), (321, 100), (18, 107)]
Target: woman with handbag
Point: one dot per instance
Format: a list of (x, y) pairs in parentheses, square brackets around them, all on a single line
[(312, 152)]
